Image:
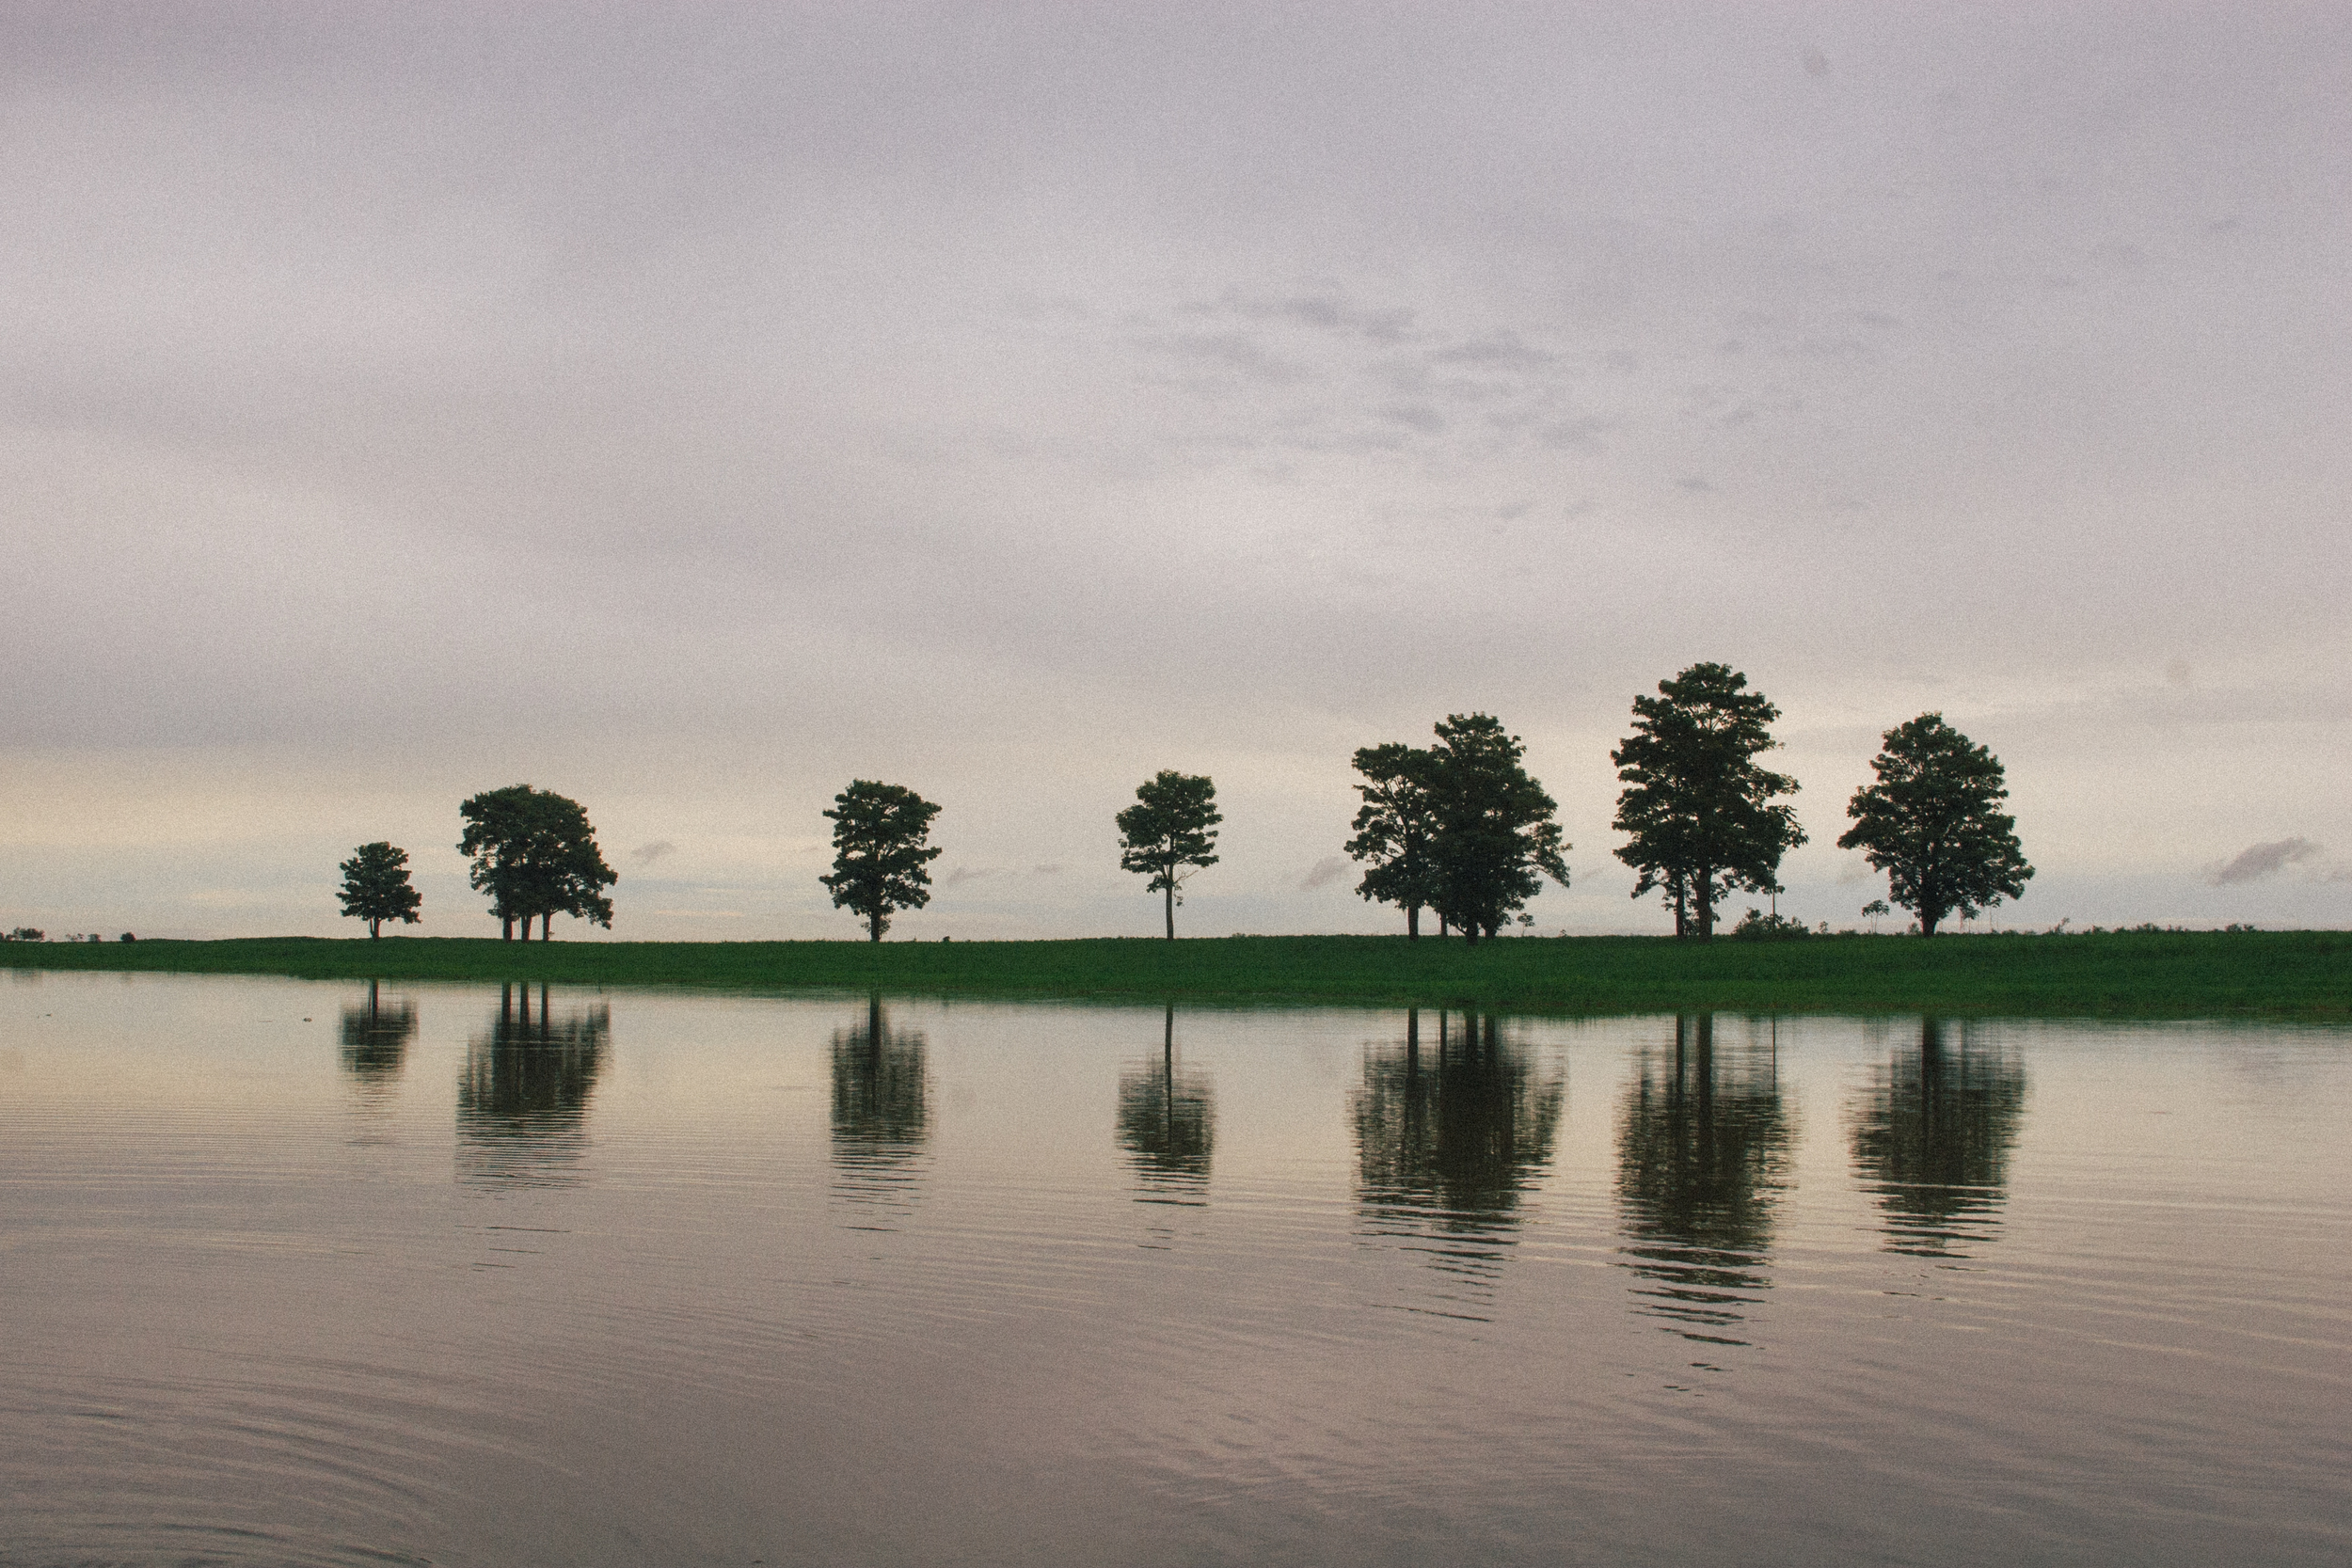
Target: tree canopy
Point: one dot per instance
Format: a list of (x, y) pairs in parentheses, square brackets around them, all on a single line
[(536, 854), (1496, 839), (880, 850), (375, 887), (1396, 829), (1170, 832), (1932, 823), (1698, 809)]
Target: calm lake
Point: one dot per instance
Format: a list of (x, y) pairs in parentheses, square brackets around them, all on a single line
[(294, 1274)]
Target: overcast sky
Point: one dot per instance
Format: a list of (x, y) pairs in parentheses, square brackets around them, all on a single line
[(693, 408)]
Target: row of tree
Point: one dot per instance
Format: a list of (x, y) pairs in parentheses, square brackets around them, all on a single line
[(1457, 828), (1460, 829)]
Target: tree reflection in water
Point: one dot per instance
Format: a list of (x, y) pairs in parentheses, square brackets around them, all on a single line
[(1449, 1136), (881, 1113), (1933, 1134), (375, 1038), (1703, 1154), (1167, 1124), (522, 1098)]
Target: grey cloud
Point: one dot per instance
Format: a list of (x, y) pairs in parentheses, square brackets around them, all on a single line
[(1234, 351), (646, 854), (1415, 416), (963, 874), (1326, 312), (1329, 869), (2263, 859), (1501, 347), (1582, 434)]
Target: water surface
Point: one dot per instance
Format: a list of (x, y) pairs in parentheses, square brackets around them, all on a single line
[(302, 1273)]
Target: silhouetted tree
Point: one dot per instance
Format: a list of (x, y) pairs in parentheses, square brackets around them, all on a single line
[(1932, 823), (1171, 831), (1496, 839), (375, 887), (495, 830), (1699, 811), (881, 848), (1395, 828), (536, 854)]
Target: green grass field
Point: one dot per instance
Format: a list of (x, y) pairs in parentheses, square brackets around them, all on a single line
[(2285, 975)]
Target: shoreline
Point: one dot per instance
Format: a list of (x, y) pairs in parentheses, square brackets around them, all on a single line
[(2154, 974)]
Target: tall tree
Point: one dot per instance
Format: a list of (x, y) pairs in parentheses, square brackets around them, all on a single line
[(1699, 811), (1933, 823), (1395, 828), (881, 848), (495, 828), (1170, 832), (1496, 839), (536, 854), (375, 887)]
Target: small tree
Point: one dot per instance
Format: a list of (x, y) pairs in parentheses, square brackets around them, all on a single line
[(1395, 827), (375, 888), (1170, 832), (1698, 809), (880, 852), (1932, 823), (1496, 839)]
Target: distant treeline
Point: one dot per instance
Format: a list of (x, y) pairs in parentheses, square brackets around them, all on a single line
[(1457, 829)]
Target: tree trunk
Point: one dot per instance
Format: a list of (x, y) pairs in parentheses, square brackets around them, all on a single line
[(1170, 890), (1683, 908), (546, 926), (1928, 916), (1443, 930), (873, 924), (375, 929), (1703, 894), (1412, 923), (1469, 932)]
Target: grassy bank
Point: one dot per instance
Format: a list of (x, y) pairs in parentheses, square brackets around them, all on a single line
[(2291, 975)]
